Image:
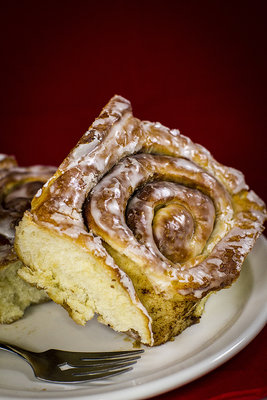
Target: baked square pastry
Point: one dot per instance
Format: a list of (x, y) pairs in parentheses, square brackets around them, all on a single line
[(138, 225), (17, 187)]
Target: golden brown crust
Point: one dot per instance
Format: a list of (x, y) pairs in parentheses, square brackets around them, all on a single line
[(113, 140)]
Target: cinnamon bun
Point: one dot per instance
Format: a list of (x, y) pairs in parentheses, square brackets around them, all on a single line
[(17, 187), (138, 225)]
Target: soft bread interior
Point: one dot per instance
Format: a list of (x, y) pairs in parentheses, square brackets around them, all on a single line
[(16, 294), (73, 278)]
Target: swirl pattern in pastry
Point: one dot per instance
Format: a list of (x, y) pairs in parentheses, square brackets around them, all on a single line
[(151, 222)]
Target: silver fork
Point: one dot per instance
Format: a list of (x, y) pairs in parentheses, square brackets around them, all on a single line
[(59, 366)]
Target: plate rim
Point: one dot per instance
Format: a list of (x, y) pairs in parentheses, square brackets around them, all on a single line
[(175, 379)]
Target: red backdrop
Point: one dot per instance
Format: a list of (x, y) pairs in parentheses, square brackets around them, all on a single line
[(199, 66), (196, 66)]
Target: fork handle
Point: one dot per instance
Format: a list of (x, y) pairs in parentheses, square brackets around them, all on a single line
[(15, 349)]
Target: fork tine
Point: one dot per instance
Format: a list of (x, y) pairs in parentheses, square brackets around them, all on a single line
[(92, 369), (84, 362), (72, 356), (101, 375), (112, 354), (79, 378)]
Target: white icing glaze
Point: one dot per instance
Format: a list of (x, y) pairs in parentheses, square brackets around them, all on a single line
[(109, 221), (38, 194), (164, 193), (115, 135)]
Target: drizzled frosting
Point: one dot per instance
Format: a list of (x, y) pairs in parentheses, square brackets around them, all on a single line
[(110, 197), (171, 219), (112, 164)]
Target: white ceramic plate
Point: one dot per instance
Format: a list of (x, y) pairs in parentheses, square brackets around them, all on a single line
[(232, 318)]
